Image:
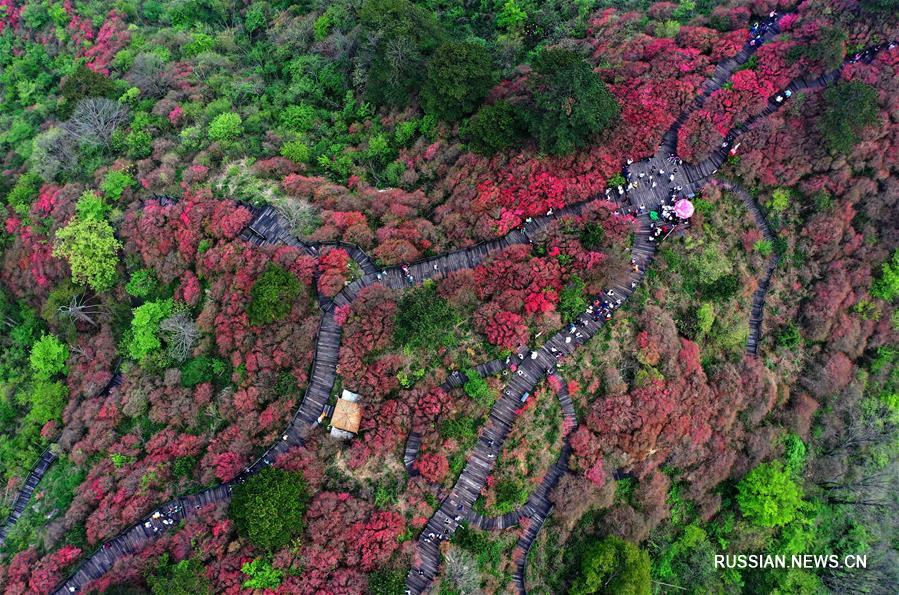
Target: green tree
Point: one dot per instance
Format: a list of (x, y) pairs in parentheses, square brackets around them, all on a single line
[(769, 496), (272, 295), (186, 577), (226, 127), (828, 50), (612, 566), (48, 357), (404, 35), (494, 128), (886, 287), (477, 388), (849, 107), (570, 102), (144, 337), (115, 183), (459, 74), (46, 401), (90, 247), (424, 320), (387, 582), (142, 283), (268, 508), (261, 575), (592, 236), (571, 300)]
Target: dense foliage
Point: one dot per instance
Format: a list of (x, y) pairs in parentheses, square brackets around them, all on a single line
[(157, 353)]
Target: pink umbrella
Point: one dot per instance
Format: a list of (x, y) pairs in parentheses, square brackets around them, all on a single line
[(683, 208)]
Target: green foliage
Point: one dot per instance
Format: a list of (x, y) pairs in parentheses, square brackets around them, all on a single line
[(144, 336), (115, 183), (48, 357), (886, 286), (463, 428), (705, 318), (669, 28), (511, 16), (769, 496), (186, 577), (764, 247), (268, 508), (612, 566), (887, 6), (827, 50), (592, 236), (850, 107), (261, 575), (385, 581), (405, 34), (83, 82), (789, 337), (570, 102), (494, 128), (200, 43), (572, 302), (424, 320), (477, 388), (46, 401), (202, 369), (91, 206), (458, 77), (296, 151), (780, 200), (794, 453), (298, 118), (24, 192), (272, 295), (90, 247), (226, 127), (142, 283)]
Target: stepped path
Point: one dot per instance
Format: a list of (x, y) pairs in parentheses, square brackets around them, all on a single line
[(268, 228), (758, 297), (21, 501)]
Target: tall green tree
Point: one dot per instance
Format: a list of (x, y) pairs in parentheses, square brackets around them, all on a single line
[(48, 357), (570, 102), (91, 249), (769, 495), (612, 566), (459, 74), (268, 508), (850, 107)]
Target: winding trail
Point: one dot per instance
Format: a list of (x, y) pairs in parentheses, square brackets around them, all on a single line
[(268, 228), (758, 297), (18, 506)]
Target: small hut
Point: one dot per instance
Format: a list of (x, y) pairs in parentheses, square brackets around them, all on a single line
[(347, 416)]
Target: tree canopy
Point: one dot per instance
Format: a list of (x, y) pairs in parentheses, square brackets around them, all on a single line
[(570, 102), (91, 248), (850, 107), (272, 295), (614, 566), (268, 508), (769, 495), (459, 74)]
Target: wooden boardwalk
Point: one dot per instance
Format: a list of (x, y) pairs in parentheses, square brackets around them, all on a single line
[(268, 228), (22, 498), (758, 297)]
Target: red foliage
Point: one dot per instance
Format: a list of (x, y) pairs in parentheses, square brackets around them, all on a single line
[(333, 266), (432, 466)]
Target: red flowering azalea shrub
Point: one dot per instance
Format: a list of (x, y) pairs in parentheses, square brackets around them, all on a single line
[(432, 466), (334, 271)]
